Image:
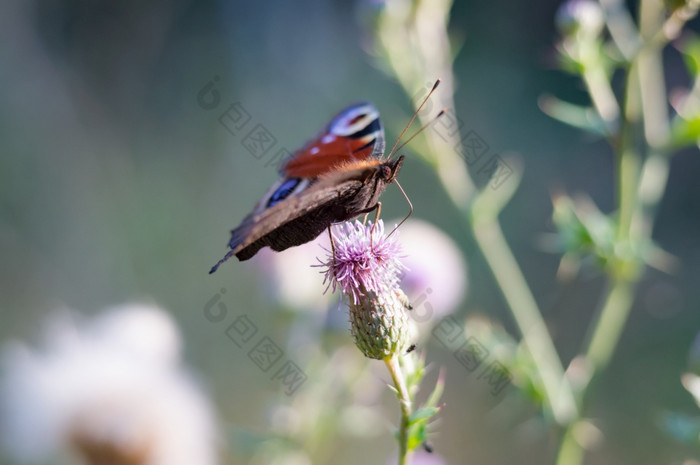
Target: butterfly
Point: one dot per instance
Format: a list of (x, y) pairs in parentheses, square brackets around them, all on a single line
[(338, 175)]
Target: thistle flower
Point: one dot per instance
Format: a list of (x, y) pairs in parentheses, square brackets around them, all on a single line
[(365, 260), (379, 323), (365, 265), (296, 291)]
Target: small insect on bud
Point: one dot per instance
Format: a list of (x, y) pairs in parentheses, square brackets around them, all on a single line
[(411, 348)]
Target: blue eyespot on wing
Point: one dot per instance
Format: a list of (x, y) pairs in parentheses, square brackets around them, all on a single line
[(283, 191)]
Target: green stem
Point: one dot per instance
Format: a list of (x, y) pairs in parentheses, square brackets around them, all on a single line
[(610, 323), (392, 363), (511, 281), (654, 177), (638, 193), (570, 451), (602, 95), (626, 155), (621, 26), (617, 303)]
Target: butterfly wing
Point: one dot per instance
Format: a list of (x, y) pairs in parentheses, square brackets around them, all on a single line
[(296, 220), (337, 196), (356, 133)]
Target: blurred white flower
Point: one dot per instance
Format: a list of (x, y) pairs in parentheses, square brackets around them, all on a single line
[(436, 280), (110, 389), (291, 279), (691, 383), (580, 16)]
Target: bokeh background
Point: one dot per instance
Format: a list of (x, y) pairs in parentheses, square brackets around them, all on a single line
[(116, 185)]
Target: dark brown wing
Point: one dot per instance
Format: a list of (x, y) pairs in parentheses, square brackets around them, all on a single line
[(298, 219), (338, 196), (297, 222)]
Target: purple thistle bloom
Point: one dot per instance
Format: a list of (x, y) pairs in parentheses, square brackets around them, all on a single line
[(364, 261)]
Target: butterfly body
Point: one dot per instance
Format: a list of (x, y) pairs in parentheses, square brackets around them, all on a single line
[(335, 177)]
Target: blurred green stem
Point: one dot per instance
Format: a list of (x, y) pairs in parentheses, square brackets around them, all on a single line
[(413, 37), (418, 53), (483, 222), (392, 363), (610, 323), (493, 245), (570, 452), (602, 94), (639, 191), (621, 27)]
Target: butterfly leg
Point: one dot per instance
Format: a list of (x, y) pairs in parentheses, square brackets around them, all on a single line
[(374, 224), (377, 209), (330, 236)]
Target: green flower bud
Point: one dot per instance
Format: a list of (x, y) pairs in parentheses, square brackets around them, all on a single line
[(379, 323)]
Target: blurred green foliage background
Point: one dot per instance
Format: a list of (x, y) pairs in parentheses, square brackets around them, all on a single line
[(115, 185)]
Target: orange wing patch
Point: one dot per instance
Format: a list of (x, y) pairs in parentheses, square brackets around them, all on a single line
[(323, 154)]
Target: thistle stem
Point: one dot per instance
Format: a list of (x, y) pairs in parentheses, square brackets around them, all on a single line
[(392, 363)]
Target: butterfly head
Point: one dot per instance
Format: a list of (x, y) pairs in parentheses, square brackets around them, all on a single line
[(391, 168)]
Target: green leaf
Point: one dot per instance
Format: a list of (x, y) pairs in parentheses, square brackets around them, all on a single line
[(417, 435), (685, 132), (422, 414), (690, 48), (435, 396), (584, 118), (490, 201)]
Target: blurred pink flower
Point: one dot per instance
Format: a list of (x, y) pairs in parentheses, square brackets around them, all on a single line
[(290, 278), (436, 279)]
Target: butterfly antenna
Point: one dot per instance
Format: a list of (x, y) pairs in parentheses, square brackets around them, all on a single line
[(392, 151), (218, 264), (410, 206), (442, 112)]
